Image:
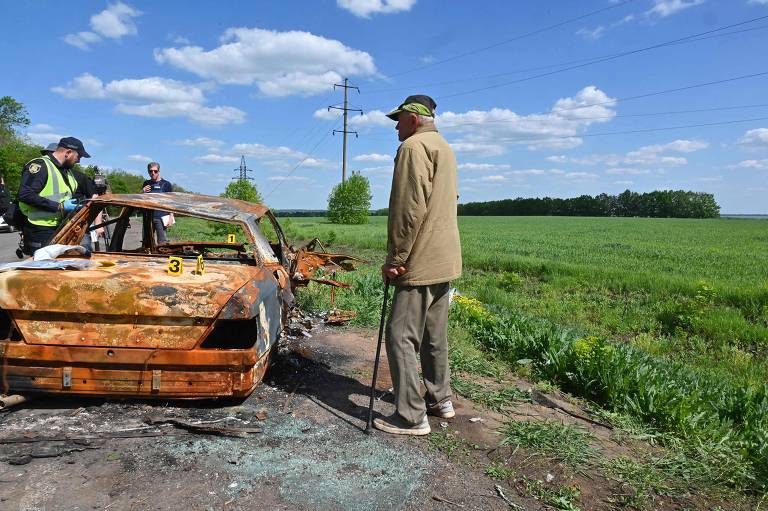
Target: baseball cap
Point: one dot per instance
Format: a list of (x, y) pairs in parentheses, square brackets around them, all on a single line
[(418, 104), (74, 144), (49, 148)]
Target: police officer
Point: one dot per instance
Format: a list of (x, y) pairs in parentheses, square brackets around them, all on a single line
[(46, 192)]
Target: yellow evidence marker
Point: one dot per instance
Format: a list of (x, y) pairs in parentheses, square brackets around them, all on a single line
[(231, 238), (175, 266), (200, 267)]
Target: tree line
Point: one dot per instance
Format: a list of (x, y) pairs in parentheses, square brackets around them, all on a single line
[(656, 204)]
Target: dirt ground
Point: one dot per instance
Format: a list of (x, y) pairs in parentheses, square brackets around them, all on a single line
[(310, 451)]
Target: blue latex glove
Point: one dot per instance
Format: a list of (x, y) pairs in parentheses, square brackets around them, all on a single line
[(69, 205)]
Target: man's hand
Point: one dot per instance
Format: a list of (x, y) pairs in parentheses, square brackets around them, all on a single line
[(69, 205), (390, 272), (147, 188)]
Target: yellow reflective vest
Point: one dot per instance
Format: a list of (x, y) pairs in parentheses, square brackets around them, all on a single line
[(56, 189)]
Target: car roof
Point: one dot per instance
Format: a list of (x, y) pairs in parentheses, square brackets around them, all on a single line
[(192, 204)]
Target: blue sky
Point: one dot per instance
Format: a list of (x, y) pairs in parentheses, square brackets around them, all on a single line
[(195, 85)]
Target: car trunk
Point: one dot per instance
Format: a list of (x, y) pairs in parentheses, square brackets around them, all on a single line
[(129, 301)]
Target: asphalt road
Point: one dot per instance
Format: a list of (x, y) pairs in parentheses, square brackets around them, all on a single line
[(9, 242)]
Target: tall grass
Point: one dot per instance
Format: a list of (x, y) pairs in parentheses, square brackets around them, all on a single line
[(671, 397)]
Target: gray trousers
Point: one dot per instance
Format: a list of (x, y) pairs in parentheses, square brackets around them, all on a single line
[(160, 230), (417, 330)]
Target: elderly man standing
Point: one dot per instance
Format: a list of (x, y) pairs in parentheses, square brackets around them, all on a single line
[(46, 192), (423, 256)]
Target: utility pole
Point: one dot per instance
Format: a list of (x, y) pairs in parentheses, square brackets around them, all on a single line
[(345, 131), (243, 170)]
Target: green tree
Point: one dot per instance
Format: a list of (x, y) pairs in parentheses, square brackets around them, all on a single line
[(12, 114), (350, 202), (243, 190), (14, 154)]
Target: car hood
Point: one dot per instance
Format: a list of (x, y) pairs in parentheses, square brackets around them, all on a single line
[(127, 301)]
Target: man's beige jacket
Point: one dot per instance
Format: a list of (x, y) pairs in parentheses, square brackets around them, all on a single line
[(422, 232)]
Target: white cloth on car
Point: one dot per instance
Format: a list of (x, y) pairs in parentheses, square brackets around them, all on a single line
[(54, 251)]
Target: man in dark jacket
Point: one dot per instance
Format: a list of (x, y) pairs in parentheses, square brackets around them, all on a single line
[(46, 192), (156, 184)]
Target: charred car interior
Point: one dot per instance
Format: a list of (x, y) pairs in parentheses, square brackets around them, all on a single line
[(198, 317)]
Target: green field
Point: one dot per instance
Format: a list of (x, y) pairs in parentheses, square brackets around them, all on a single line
[(662, 321), (675, 287)]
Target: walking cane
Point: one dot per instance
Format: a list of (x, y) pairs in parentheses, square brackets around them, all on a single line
[(367, 430)]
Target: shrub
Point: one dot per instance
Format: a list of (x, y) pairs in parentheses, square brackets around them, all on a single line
[(350, 201)]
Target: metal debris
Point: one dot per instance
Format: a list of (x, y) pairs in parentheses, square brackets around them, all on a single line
[(201, 428), (511, 504), (339, 317)]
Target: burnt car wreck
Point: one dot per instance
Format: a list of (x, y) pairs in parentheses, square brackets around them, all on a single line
[(131, 322)]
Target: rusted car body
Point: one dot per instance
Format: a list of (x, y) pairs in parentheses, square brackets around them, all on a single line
[(126, 326)]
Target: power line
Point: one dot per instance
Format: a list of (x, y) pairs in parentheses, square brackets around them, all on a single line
[(648, 114), (646, 95), (629, 132), (665, 91), (604, 59), (560, 64), (513, 39), (309, 155), (345, 131)]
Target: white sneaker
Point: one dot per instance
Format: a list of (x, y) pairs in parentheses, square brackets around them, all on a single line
[(443, 410), (398, 426)]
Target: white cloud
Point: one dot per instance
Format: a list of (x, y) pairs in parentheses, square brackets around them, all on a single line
[(384, 169), (494, 179), (263, 151), (536, 172), (279, 63), (153, 97), (483, 167), (326, 114), (558, 128), (140, 157), (289, 178), (579, 176), (44, 138), (375, 118), (627, 170), (650, 155), (82, 40), (207, 116), (751, 164), (217, 158), (153, 90), (755, 138), (315, 163), (374, 157), (41, 127), (664, 8), (85, 86), (114, 22), (677, 146), (209, 143), (592, 35), (364, 8), (181, 40), (481, 149), (758, 2)]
